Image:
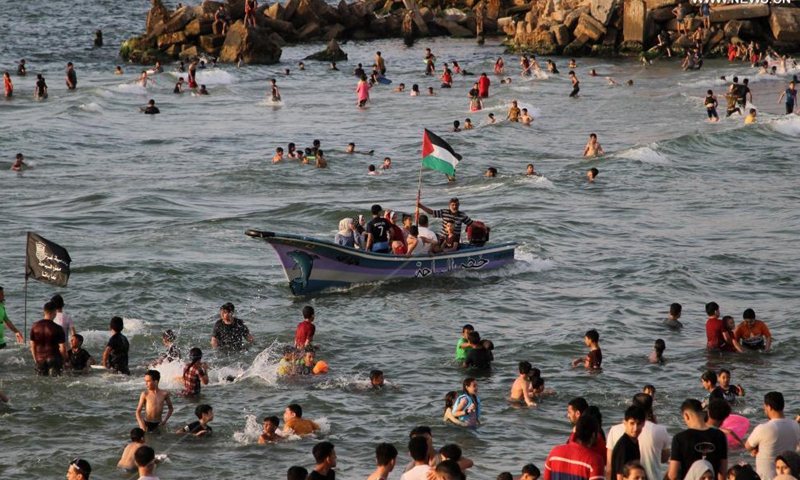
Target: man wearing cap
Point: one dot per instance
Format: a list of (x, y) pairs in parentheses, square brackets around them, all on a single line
[(229, 332), (5, 322), (453, 216), (79, 469)]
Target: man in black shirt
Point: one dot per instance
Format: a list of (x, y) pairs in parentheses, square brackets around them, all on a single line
[(229, 332), (378, 232), (325, 456), (479, 357), (72, 77), (696, 443), (151, 108), (78, 359), (115, 356), (627, 447)]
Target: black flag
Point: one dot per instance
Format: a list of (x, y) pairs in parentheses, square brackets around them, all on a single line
[(46, 261)]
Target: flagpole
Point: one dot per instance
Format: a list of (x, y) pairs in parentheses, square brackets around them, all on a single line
[(25, 296), (419, 196)]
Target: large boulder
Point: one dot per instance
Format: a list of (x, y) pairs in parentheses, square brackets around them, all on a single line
[(723, 13), (590, 27), (662, 14), (455, 29), (209, 7), (602, 10), (169, 39), (291, 8), (785, 24), (610, 39), (577, 47), (275, 11), (178, 20), (235, 9), (157, 15), (571, 19), (199, 26), (561, 35), (334, 31), (654, 4), (253, 45), (285, 28), (332, 53), (633, 24), (188, 53), (738, 28), (211, 43)]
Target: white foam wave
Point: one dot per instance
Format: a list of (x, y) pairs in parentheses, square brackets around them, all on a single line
[(534, 263), (131, 89), (253, 428), (644, 155), (789, 125), (705, 83), (215, 77), (540, 182), (91, 107), (99, 338)]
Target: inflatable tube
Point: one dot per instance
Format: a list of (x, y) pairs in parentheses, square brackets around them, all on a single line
[(322, 367), (738, 425)]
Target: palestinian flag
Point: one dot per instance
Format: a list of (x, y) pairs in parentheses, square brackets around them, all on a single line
[(438, 154)]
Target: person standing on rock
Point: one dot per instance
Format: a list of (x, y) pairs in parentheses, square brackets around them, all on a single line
[(575, 84), (679, 12), (250, 7), (221, 21), (380, 63)]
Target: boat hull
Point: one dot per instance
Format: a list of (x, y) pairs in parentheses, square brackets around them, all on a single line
[(313, 265)]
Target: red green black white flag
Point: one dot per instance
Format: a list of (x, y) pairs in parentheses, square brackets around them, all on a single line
[(438, 154)]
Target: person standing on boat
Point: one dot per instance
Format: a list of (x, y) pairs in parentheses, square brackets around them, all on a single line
[(229, 332), (378, 232), (452, 216)]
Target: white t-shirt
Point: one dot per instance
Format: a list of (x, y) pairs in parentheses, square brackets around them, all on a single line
[(425, 232), (772, 438), (652, 441), (420, 472), (65, 320)]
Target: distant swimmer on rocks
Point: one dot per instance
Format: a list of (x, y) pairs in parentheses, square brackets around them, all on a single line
[(575, 84), (593, 147), (230, 333), (151, 108), (40, 92), (592, 174), (72, 77), (19, 164)]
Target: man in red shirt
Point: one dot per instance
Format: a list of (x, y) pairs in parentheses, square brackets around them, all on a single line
[(714, 327), (577, 408), (483, 85), (577, 460), (304, 334)]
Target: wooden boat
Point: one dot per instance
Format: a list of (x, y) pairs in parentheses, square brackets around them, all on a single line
[(312, 265)]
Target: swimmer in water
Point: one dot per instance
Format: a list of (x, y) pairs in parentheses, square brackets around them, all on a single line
[(40, 92), (572, 63), (19, 163), (490, 118), (278, 155), (387, 164), (525, 118), (273, 89), (711, 104), (513, 112), (629, 83), (151, 108), (575, 84), (593, 147), (269, 433), (181, 67), (8, 85), (449, 401), (431, 92), (611, 81), (491, 172), (751, 117), (376, 379), (401, 88), (592, 73), (118, 70), (301, 66), (143, 78), (730, 98), (521, 389), (456, 126), (531, 171), (333, 66), (203, 90), (178, 86), (592, 174), (468, 124), (414, 90)]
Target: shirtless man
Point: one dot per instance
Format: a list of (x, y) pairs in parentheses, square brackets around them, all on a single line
[(593, 148), (153, 400), (513, 112), (269, 434), (521, 390), (525, 118)]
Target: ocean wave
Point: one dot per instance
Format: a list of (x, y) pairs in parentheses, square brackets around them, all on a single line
[(644, 154), (93, 107), (215, 77), (131, 89), (789, 125)]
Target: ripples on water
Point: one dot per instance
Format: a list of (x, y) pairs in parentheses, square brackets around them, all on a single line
[(153, 210)]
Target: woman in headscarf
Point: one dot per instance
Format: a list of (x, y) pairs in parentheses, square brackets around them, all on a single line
[(788, 463), (700, 470), (346, 236)]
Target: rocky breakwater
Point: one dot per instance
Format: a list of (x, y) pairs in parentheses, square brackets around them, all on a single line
[(609, 27), (191, 30)]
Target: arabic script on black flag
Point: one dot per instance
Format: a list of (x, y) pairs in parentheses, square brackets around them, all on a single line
[(47, 262)]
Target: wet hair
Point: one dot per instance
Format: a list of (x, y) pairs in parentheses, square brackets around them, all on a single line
[(374, 374), (470, 380), (385, 453), (693, 405), (595, 172), (322, 451), (531, 470), (753, 111), (774, 400), (418, 448), (292, 145), (294, 473), (449, 470), (273, 420), (492, 170), (423, 429), (724, 370), (676, 308), (227, 307), (116, 324), (712, 307), (467, 121), (169, 336), (376, 209), (734, 470), (505, 476), (195, 354), (49, 308), (749, 314), (308, 311), (719, 410), (579, 403), (79, 338), (449, 400), (451, 451), (487, 344), (423, 222), (586, 428), (144, 456), (202, 410), (660, 346), (525, 367), (572, 72), (57, 301), (709, 376), (593, 335), (635, 413), (474, 337), (279, 150), (709, 93), (415, 88), (468, 326), (644, 401), (154, 374), (594, 411), (371, 168), (413, 231), (537, 382), (456, 123), (296, 409), (137, 434)]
